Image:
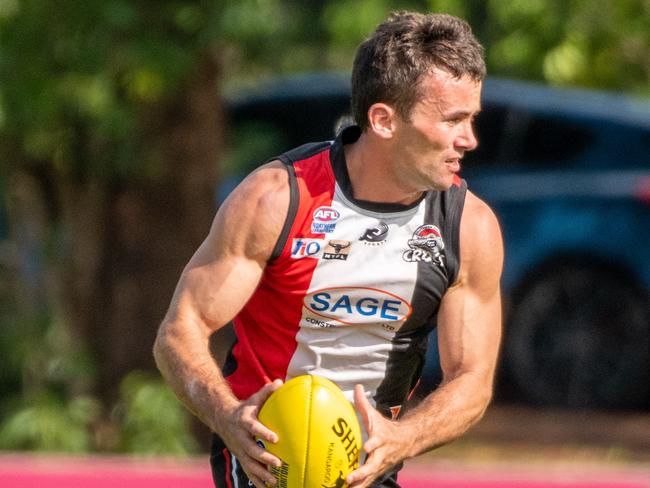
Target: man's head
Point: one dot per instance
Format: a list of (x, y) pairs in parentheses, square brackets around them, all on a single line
[(390, 64)]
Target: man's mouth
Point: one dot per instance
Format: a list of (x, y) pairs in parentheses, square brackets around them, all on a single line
[(453, 164)]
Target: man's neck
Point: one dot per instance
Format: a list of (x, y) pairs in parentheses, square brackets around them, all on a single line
[(370, 171)]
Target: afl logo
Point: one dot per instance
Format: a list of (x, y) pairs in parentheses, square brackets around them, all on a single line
[(324, 220), (355, 306)]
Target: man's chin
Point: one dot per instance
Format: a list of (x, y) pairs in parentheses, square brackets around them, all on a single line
[(443, 184)]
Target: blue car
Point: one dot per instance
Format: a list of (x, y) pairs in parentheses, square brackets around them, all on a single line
[(568, 174)]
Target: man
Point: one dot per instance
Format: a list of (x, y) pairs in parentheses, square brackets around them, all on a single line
[(338, 258)]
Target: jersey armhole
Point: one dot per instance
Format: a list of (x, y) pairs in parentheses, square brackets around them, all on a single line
[(453, 222), (291, 212)]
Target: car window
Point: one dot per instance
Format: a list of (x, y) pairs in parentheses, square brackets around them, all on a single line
[(489, 128), (554, 140)]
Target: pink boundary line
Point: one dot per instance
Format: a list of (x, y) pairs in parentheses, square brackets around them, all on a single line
[(26, 471), (511, 475)]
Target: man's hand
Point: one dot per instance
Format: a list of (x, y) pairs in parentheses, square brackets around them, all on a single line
[(240, 427), (385, 445)]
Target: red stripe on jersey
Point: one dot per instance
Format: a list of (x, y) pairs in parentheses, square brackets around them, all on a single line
[(266, 327), (226, 455), (456, 181)]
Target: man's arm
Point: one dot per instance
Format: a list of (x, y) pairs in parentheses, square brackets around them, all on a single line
[(214, 286), (469, 332)]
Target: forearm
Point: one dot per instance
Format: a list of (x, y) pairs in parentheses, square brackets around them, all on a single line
[(183, 357), (446, 414)]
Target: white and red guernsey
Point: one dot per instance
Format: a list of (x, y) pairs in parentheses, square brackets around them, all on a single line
[(353, 287)]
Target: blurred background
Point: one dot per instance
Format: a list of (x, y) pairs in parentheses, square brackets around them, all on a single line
[(123, 124)]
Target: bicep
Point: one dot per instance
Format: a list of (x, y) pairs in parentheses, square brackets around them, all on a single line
[(469, 320), (211, 293), (225, 270)]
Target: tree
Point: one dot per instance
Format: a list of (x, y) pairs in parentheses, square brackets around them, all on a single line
[(112, 132)]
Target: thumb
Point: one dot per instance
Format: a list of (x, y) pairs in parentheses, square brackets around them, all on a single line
[(363, 406), (263, 393)]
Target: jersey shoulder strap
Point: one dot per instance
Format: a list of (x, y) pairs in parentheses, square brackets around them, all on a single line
[(289, 158)]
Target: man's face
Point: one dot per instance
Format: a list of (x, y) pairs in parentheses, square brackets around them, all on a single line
[(429, 146)]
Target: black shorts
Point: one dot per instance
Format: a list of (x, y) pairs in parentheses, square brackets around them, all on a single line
[(227, 473)]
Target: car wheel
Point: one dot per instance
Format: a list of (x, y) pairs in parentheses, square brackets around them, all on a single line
[(579, 337)]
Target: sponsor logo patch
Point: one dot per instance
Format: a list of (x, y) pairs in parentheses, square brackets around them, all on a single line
[(337, 249), (324, 220), (306, 248), (425, 245), (356, 305), (375, 236)]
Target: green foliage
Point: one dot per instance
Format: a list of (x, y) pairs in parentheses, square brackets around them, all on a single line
[(48, 373), (76, 76), (261, 141), (45, 378), (348, 23), (597, 44), (453, 7), (151, 418), (48, 424), (82, 81), (47, 415)]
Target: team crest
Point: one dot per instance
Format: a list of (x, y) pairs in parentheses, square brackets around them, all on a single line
[(426, 245)]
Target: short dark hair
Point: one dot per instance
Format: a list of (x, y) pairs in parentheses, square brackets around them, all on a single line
[(390, 64)]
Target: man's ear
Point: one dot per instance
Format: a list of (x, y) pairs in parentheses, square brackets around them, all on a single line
[(381, 120)]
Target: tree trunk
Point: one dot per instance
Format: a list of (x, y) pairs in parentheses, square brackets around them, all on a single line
[(129, 242)]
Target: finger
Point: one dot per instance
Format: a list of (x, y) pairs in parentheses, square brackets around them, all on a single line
[(258, 429), (270, 460), (263, 393), (362, 476), (373, 443), (259, 453), (257, 472), (359, 484), (363, 406), (255, 427), (259, 483)]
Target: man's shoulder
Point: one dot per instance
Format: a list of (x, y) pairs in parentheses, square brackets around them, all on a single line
[(251, 219), (480, 233), (477, 213), (304, 151), (265, 189), (479, 230)]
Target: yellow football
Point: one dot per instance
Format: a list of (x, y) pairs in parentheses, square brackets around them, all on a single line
[(319, 434)]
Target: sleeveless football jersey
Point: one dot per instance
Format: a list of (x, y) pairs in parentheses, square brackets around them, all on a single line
[(353, 287)]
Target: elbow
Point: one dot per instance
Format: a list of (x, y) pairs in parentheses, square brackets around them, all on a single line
[(484, 398), (484, 392), (482, 388), (161, 347)]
